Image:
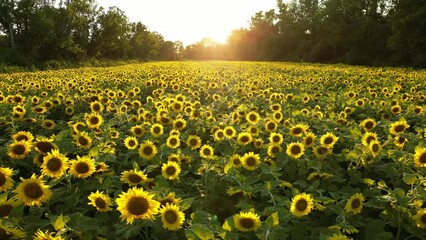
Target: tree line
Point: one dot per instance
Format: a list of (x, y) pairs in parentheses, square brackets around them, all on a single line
[(365, 32)]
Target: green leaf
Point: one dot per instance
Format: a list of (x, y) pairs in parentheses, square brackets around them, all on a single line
[(186, 203), (409, 178), (375, 230), (198, 232)]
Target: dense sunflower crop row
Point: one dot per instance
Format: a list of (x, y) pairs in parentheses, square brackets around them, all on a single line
[(213, 150)]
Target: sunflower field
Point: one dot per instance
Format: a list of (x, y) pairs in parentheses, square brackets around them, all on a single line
[(213, 150)]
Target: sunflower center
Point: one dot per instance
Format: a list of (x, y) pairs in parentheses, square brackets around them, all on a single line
[(220, 134), (244, 139), (301, 205), (173, 141), (247, 223), (54, 164), (252, 117), (253, 130), (297, 130), (375, 147), (401, 140), (355, 203), (423, 218), (399, 128), (45, 146), (271, 126), (18, 149), (229, 132), (295, 149), (5, 210), (369, 139), (82, 167), (321, 150), (275, 149), (132, 143), (309, 141), (171, 170), (134, 178), (236, 161), (100, 203), (422, 158), (206, 151), (251, 161), (368, 125), (179, 124), (96, 107), (33, 190), (276, 139), (157, 130), (94, 120), (138, 131), (83, 141), (22, 137), (170, 217), (193, 142), (328, 140), (147, 150), (2, 179), (137, 205)]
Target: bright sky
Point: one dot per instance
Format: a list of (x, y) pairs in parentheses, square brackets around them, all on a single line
[(191, 20)]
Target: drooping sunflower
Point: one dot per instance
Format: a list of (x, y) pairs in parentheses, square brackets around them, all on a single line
[(171, 217), (19, 150), (83, 167), (147, 150), (44, 145), (253, 118), (298, 130), (93, 120), (33, 191), (301, 204), (375, 148), (173, 141), (369, 137), (207, 151), (250, 161), (398, 127), (399, 141), (274, 149), (137, 204), (276, 138), (420, 157), (247, 221), (244, 138), (338, 237), (7, 205), (355, 204), (54, 164), (8, 232), (295, 150), (23, 136), (83, 140), (309, 140), (328, 140), (133, 177), (100, 201), (420, 218), (131, 143), (157, 130), (322, 151), (6, 181), (368, 124), (170, 170), (46, 235)]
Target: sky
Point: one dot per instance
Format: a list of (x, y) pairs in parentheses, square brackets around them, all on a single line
[(190, 21)]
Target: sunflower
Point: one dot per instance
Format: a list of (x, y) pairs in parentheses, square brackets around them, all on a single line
[(96, 107), (46, 235), (78, 126), (7, 232), (250, 161), (369, 137), (396, 109), (54, 164), (244, 138), (137, 131), (172, 217), (137, 204), (298, 130), (170, 170), (23, 136), (375, 148), (301, 205), (45, 145), (274, 149), (83, 167), (147, 150), (253, 130), (93, 120), (230, 132), (271, 125), (170, 199), (157, 130), (258, 142), (338, 237), (48, 124), (368, 124), (253, 118), (322, 151), (309, 139), (354, 204), (179, 124), (247, 221), (6, 182), (295, 150), (19, 150), (420, 218), (82, 139), (100, 201), (276, 138), (236, 160), (219, 135), (7, 205), (328, 140), (173, 141), (207, 151), (131, 143), (133, 177), (33, 191), (420, 157), (193, 142), (398, 127)]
